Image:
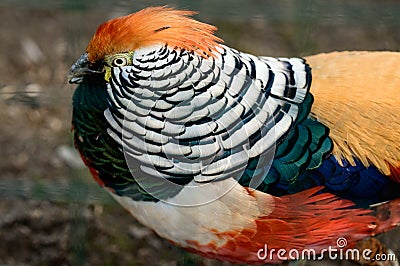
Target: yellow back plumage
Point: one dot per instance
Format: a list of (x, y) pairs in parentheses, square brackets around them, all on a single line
[(357, 95)]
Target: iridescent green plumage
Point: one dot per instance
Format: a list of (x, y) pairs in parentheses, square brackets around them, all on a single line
[(100, 151), (304, 149)]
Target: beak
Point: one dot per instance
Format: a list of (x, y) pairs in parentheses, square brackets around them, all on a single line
[(81, 68)]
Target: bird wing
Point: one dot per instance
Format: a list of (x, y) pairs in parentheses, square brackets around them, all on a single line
[(186, 117)]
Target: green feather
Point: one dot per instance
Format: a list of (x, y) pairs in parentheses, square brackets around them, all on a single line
[(303, 149), (102, 152)]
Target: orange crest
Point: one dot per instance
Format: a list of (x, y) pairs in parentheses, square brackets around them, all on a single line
[(150, 26)]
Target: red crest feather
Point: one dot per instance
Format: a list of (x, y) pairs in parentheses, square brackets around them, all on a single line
[(154, 25)]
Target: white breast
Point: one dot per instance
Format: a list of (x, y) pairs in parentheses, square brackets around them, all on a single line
[(217, 206)]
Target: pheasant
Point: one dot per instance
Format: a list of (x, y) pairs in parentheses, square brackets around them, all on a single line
[(225, 153)]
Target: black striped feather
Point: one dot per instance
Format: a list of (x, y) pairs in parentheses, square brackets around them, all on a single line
[(173, 115)]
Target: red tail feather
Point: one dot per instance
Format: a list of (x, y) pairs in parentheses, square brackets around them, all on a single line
[(305, 220)]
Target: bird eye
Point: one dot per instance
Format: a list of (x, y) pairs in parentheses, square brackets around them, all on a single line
[(119, 62)]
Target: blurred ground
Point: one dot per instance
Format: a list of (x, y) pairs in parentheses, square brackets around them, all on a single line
[(51, 212)]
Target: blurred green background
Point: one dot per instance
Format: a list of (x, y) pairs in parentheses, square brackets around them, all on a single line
[(51, 212)]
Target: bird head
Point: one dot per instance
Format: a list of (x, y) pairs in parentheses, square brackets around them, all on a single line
[(115, 42)]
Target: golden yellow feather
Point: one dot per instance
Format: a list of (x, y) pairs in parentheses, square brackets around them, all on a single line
[(357, 95), (153, 25)]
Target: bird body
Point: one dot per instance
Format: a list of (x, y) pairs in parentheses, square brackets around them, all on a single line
[(223, 152)]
